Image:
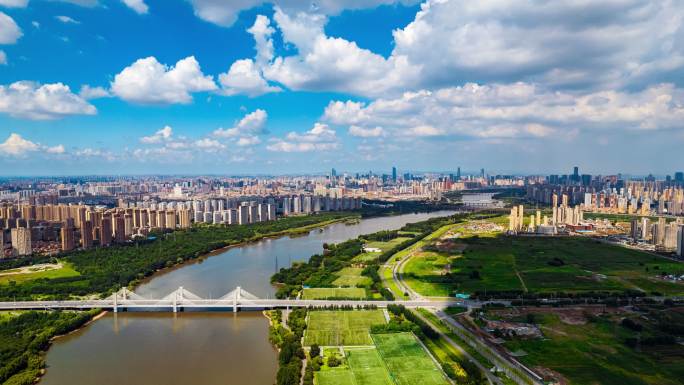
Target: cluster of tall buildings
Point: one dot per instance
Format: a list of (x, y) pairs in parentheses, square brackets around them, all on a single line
[(28, 228), (666, 236), (54, 227), (614, 194), (562, 214)]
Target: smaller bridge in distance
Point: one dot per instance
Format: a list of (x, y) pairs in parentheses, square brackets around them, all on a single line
[(181, 299)]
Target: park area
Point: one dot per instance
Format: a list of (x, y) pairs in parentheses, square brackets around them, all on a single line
[(334, 292), (407, 361), (538, 265), (363, 367), (33, 272), (341, 328)]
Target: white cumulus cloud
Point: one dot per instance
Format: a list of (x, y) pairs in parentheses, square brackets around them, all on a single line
[(138, 6), (9, 30), (253, 123), (16, 146), (320, 138), (31, 100), (149, 82), (163, 135)]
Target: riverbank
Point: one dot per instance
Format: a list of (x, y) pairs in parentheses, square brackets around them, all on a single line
[(26, 337), (78, 358), (20, 373)]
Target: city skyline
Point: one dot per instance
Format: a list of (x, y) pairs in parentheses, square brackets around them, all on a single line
[(156, 87)]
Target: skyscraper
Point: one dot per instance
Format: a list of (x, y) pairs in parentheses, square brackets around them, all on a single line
[(680, 241), (67, 235), (87, 234), (458, 173), (394, 174), (106, 231), (21, 241)]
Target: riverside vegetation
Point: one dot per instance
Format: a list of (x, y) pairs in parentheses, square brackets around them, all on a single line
[(24, 336)]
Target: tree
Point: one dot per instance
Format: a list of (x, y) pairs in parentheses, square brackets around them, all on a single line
[(315, 351), (333, 361)]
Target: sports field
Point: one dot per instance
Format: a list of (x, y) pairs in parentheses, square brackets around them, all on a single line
[(365, 367), (334, 292), (351, 276), (407, 361), (339, 328)]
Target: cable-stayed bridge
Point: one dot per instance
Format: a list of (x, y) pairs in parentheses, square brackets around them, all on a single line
[(182, 299)]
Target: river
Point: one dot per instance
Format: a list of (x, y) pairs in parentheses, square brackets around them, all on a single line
[(193, 348)]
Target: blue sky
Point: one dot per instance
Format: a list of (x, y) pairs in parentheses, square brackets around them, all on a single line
[(239, 87)]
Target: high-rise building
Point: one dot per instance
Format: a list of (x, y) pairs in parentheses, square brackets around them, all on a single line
[(87, 234), (680, 241), (21, 241), (243, 215), (106, 231), (67, 235), (634, 231), (394, 174), (679, 177)]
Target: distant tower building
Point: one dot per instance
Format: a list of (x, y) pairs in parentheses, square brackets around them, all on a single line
[(87, 234), (21, 241), (243, 215), (119, 228), (106, 231), (67, 234), (394, 174), (634, 231)]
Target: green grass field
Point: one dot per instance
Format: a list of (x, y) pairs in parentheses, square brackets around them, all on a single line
[(595, 353), (334, 292), (428, 264), (65, 271), (351, 276), (364, 367), (407, 361), (384, 246), (339, 328), (521, 263)]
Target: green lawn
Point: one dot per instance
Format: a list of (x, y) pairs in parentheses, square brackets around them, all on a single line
[(427, 264), (65, 271), (334, 376), (338, 328), (407, 361), (595, 353), (522, 263), (351, 276), (334, 292), (384, 246), (364, 367)]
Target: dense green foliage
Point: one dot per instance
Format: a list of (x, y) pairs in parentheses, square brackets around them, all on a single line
[(103, 270), (318, 271), (374, 208), (291, 352), (24, 337)]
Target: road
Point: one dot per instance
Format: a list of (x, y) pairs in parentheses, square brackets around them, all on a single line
[(490, 376)]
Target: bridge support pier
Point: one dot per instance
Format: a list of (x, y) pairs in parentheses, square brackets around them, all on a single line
[(116, 307)]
